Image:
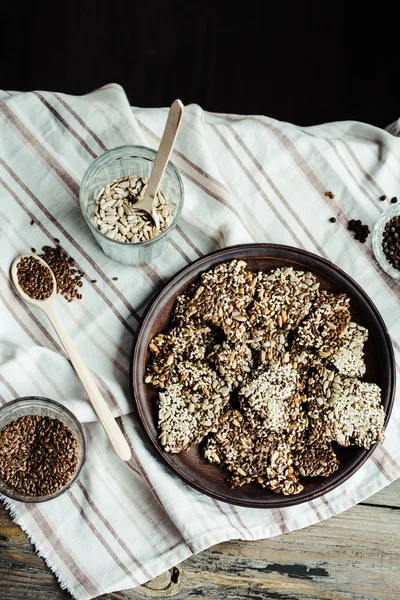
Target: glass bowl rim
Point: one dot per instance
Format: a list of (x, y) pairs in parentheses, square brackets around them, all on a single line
[(386, 215), (88, 172), (37, 499)]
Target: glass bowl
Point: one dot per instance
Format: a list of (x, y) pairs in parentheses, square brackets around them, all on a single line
[(377, 238), (34, 405), (120, 162)]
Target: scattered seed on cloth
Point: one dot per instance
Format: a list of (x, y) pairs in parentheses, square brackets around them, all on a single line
[(67, 277)]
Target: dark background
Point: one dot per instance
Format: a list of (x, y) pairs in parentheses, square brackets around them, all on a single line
[(303, 62)]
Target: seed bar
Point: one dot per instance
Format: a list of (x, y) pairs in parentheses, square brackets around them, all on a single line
[(316, 460), (283, 298), (346, 411), (267, 461), (222, 298), (185, 416), (268, 395), (321, 331), (349, 360), (232, 361)]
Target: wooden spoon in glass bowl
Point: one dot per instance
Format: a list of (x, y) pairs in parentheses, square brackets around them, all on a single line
[(160, 163), (48, 306)]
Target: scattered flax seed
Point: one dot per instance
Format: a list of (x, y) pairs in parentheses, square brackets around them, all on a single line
[(393, 200), (93, 281), (57, 241), (382, 198), (330, 195), (332, 220), (115, 278), (68, 281), (33, 250), (32, 222)]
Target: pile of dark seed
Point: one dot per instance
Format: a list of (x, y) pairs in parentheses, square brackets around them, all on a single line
[(34, 278), (391, 242), (68, 278), (361, 232), (38, 455)]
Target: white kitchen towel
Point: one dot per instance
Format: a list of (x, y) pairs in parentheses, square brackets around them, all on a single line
[(247, 179)]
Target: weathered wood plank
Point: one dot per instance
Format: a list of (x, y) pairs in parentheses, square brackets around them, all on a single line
[(23, 575), (389, 496), (355, 555)]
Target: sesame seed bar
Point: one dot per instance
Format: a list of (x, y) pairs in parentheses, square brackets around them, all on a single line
[(316, 460), (283, 298), (270, 347), (180, 344), (345, 410), (222, 298), (267, 461), (349, 359), (180, 315), (232, 361), (268, 396), (186, 417), (322, 330)]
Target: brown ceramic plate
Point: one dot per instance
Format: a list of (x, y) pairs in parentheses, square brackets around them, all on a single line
[(190, 466)]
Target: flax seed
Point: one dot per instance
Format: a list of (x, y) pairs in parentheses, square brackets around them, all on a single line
[(38, 455)]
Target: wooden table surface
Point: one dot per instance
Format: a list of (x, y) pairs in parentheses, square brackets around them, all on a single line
[(353, 556)]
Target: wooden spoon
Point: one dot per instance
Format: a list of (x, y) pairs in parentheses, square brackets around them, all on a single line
[(99, 405), (164, 152)]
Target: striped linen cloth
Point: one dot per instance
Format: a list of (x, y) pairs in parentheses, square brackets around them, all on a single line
[(247, 179)]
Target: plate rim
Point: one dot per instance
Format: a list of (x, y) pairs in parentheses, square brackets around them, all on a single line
[(284, 501)]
